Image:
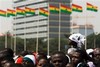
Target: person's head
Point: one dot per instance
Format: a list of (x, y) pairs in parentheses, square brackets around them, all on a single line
[(29, 59), (96, 54), (6, 60), (70, 51), (79, 56), (7, 64), (17, 65), (42, 62), (41, 55), (29, 65), (59, 59), (7, 52), (23, 53), (76, 40), (75, 58)]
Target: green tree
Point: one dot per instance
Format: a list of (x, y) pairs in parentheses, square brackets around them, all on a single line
[(93, 40)]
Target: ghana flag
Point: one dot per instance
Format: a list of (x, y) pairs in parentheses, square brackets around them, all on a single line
[(91, 7), (3, 13), (95, 8), (20, 11), (76, 8), (53, 9), (43, 12), (65, 9), (11, 12), (29, 11)]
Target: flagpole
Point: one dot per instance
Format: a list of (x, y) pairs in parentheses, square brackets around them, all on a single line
[(37, 39), (6, 40), (11, 39), (86, 31), (59, 28), (48, 44), (14, 31), (24, 35), (15, 36)]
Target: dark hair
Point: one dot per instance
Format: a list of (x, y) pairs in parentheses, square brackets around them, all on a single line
[(23, 53), (62, 54), (83, 54), (48, 65), (41, 55), (17, 65), (58, 52), (7, 52), (29, 65), (73, 43)]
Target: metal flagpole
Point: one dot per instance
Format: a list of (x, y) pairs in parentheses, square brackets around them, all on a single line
[(86, 31), (14, 31), (48, 44), (13, 39), (24, 34), (6, 40), (15, 36), (59, 28), (12, 36), (37, 39)]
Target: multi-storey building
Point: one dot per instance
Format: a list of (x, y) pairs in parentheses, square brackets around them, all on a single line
[(31, 26), (83, 29)]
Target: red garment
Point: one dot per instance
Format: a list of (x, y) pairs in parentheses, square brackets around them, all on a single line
[(19, 60)]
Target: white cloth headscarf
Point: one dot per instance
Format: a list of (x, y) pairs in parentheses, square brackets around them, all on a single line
[(78, 38)]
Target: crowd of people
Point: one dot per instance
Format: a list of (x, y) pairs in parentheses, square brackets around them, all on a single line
[(76, 56)]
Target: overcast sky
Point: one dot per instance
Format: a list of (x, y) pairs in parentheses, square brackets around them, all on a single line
[(88, 17), (5, 23)]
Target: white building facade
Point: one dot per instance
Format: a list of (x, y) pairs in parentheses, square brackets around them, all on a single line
[(31, 26)]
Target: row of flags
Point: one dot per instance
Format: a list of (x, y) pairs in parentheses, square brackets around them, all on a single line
[(52, 9)]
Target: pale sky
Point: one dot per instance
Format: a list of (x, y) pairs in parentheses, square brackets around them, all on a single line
[(84, 17), (5, 23)]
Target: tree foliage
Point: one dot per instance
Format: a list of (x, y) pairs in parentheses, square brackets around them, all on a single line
[(93, 40)]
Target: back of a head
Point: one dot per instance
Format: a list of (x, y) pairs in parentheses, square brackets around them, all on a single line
[(78, 39), (30, 59), (23, 53), (29, 65), (17, 65), (7, 52), (41, 55)]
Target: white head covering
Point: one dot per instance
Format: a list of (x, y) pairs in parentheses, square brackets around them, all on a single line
[(88, 51), (31, 57), (78, 38)]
